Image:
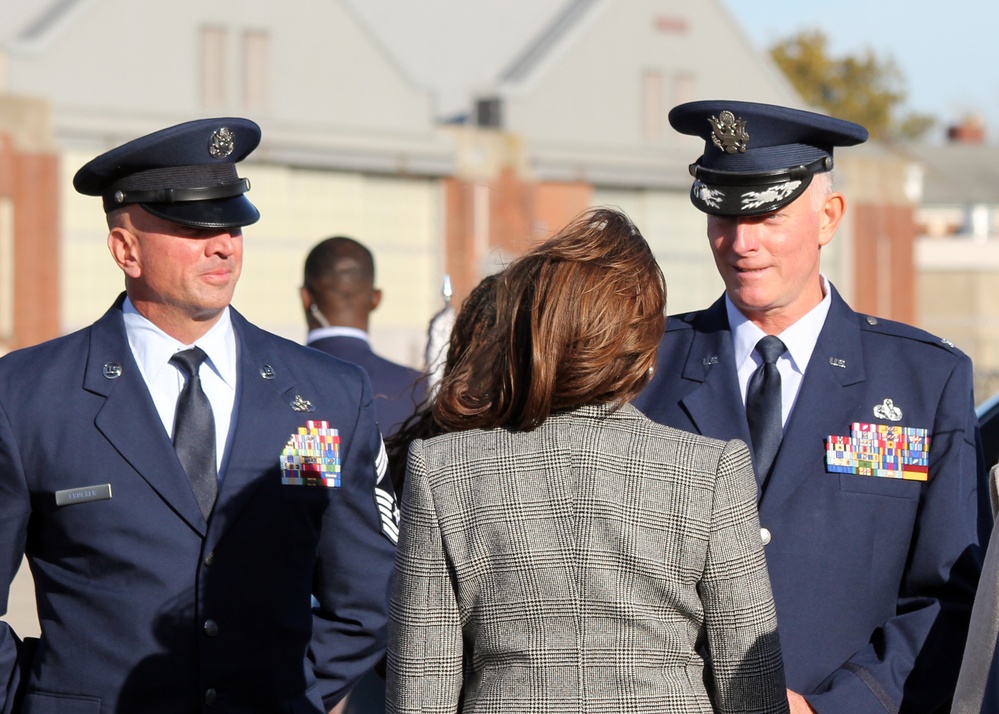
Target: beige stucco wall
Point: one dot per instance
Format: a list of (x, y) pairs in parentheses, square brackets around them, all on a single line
[(397, 218)]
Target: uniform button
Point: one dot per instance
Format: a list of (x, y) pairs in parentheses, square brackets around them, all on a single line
[(765, 535), (210, 696), (211, 628), (209, 559), (872, 321)]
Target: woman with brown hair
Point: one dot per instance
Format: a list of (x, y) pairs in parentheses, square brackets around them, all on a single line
[(559, 552)]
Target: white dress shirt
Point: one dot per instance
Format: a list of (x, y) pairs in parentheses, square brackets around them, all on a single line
[(321, 333), (152, 349), (799, 339)]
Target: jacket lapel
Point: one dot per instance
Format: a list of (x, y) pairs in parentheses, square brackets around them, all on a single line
[(824, 406), (266, 390), (715, 406), (128, 418)]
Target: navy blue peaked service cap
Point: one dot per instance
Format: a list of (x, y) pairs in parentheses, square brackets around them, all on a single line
[(185, 174), (758, 157)]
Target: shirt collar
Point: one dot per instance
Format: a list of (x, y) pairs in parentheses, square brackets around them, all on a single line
[(799, 338), (152, 348), (321, 333)]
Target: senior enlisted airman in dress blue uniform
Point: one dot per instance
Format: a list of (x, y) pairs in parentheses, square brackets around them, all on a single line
[(178, 577), (872, 505)]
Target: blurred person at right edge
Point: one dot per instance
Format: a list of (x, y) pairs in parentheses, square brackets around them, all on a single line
[(559, 551), (978, 683), (864, 435)]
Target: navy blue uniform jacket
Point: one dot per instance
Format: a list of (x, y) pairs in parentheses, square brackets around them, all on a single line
[(144, 607), (873, 577), (399, 390)]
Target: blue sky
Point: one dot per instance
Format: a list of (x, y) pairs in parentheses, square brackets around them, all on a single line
[(949, 54)]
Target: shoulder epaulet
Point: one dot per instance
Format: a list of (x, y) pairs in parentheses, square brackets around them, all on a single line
[(870, 323), (681, 321)]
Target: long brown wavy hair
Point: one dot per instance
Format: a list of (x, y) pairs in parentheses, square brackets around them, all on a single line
[(578, 321), (474, 323)]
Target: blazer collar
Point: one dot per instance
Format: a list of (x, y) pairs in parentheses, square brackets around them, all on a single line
[(715, 406), (128, 418), (824, 405)]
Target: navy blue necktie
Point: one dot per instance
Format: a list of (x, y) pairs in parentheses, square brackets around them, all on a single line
[(763, 407), (194, 430)]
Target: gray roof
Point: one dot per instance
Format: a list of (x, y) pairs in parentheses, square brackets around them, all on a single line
[(958, 173), (460, 48)]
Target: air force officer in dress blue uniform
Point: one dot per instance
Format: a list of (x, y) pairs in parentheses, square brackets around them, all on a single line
[(182, 482), (863, 430)]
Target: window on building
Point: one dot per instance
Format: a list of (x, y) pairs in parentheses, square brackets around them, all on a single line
[(214, 70), (256, 65), (6, 269), (683, 87), (652, 105)]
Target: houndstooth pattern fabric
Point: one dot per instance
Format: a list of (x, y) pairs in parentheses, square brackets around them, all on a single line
[(582, 567)]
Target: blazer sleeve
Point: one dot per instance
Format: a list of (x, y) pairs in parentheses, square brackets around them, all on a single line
[(425, 636), (739, 612), (913, 659), (354, 567), (15, 507)]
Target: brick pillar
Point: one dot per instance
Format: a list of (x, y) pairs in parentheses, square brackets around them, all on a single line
[(29, 189)]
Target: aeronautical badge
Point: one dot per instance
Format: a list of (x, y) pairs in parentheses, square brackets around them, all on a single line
[(887, 410), (882, 450), (728, 133), (222, 143), (388, 507), (312, 456), (301, 405)]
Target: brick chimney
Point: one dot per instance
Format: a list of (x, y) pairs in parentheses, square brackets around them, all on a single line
[(970, 130)]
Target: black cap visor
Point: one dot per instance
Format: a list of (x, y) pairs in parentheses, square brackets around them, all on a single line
[(232, 212), (746, 200)]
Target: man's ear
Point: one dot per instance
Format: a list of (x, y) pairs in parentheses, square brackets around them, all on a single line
[(306, 298), (830, 215), (376, 298), (124, 247)]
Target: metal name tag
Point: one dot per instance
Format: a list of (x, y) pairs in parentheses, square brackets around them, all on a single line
[(70, 496)]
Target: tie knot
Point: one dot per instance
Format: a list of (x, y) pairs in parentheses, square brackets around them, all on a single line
[(770, 348), (189, 360)]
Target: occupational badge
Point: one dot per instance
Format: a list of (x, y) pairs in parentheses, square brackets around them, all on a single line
[(312, 456), (882, 450), (301, 405), (887, 410)]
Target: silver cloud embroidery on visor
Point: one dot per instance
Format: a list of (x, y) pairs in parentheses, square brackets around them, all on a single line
[(709, 196), (755, 199)]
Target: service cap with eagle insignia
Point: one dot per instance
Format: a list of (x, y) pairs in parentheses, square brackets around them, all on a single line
[(758, 157), (185, 174)]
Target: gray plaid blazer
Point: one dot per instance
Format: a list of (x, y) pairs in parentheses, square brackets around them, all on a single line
[(600, 563)]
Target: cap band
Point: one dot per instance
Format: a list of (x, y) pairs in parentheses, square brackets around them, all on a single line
[(762, 178), (177, 195)]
